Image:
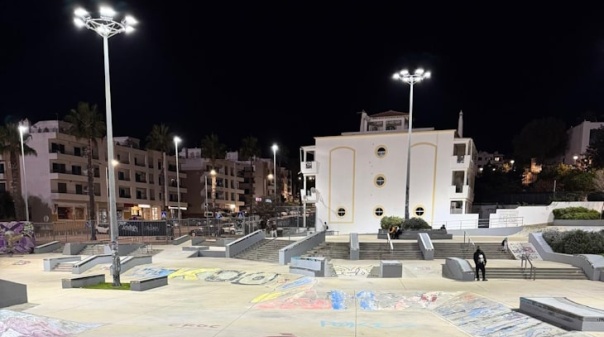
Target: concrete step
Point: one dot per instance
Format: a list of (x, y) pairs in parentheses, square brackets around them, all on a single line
[(64, 267), (569, 273)]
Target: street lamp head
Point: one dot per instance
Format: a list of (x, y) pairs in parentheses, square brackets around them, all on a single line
[(419, 71), (176, 139), (79, 22), (213, 172), (270, 176), (275, 147), (404, 72), (427, 74), (114, 162), (22, 128), (81, 13), (107, 13), (130, 20)]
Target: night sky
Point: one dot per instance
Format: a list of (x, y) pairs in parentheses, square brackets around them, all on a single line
[(286, 71)]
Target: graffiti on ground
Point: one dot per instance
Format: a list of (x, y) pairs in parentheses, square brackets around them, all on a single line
[(208, 275), (479, 316), (373, 325), (14, 323), (520, 248), (363, 271)]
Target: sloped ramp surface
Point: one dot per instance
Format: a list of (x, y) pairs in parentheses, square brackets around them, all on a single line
[(479, 316)]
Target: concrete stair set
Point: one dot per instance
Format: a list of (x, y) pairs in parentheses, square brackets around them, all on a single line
[(567, 273), (381, 251), (443, 250), (266, 250)]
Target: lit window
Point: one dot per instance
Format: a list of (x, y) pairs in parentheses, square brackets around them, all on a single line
[(341, 212), (419, 211)]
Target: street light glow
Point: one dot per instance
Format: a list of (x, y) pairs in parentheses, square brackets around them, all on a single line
[(81, 12), (107, 12), (130, 20), (177, 139), (79, 22)]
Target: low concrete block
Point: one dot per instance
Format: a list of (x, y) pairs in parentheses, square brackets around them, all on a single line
[(197, 240), (50, 264), (12, 293), (563, 312), (47, 247), (391, 268), (83, 281), (211, 253), (180, 240), (309, 266), (457, 269), (224, 241), (149, 283)]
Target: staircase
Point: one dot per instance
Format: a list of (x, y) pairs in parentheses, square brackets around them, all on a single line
[(331, 250), (492, 250), (381, 251), (93, 250), (266, 250), (64, 267), (561, 273)]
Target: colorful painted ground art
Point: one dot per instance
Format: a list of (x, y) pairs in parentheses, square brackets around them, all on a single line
[(18, 324), (17, 237)]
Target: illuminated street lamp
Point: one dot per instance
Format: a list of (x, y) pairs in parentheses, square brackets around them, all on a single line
[(23, 129), (275, 148), (176, 141), (418, 76), (107, 27)]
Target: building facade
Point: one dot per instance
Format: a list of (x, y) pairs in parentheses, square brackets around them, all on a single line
[(57, 177), (360, 177), (579, 138)]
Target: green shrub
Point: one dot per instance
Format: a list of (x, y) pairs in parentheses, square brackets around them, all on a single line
[(575, 241), (416, 224), (576, 213), (388, 222)]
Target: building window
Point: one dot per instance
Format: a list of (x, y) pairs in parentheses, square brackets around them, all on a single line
[(62, 187), (79, 189), (1, 167), (77, 151), (2, 187), (380, 181), (419, 211), (341, 212), (378, 211), (456, 207), (380, 151)]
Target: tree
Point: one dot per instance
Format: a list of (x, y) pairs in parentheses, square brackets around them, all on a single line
[(213, 149), (159, 140), (595, 150), (250, 150), (541, 139), (87, 123), (10, 142)]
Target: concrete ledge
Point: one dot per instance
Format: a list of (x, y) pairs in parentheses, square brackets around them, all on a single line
[(83, 281), (148, 283), (458, 269), (47, 247), (90, 262), (132, 261), (391, 269), (195, 248), (50, 264), (211, 253), (197, 240), (181, 239), (222, 242), (308, 266), (72, 248), (12, 293), (563, 312)]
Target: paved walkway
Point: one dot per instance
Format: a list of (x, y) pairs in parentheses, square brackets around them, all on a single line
[(230, 297)]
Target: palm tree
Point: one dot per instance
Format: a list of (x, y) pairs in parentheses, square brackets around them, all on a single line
[(87, 123), (159, 140), (250, 149), (212, 148), (10, 142)]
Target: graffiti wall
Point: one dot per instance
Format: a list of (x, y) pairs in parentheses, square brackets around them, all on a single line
[(17, 237)]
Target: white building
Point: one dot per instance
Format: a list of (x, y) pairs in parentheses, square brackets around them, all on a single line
[(57, 178), (361, 176), (579, 138)]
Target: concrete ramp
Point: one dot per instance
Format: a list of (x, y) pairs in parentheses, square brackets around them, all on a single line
[(563, 312)]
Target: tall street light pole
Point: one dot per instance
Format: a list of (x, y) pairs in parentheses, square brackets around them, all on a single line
[(22, 130), (107, 27), (418, 76), (176, 141), (275, 148)]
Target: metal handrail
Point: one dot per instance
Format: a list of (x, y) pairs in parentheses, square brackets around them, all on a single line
[(389, 241), (524, 258), (470, 242)]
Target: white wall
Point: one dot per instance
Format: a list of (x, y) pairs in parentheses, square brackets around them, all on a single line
[(539, 215)]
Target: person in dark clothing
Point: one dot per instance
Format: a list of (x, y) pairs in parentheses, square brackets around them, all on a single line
[(480, 260)]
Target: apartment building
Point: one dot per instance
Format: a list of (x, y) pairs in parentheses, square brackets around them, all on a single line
[(579, 138), (360, 177), (57, 177), (5, 173)]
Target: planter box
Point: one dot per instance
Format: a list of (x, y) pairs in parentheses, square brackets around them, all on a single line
[(435, 234), (578, 223)]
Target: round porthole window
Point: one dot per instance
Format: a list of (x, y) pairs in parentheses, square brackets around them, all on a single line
[(380, 181), (379, 211), (419, 211), (380, 151), (341, 212)]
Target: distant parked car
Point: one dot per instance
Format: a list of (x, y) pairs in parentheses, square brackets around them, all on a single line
[(102, 228)]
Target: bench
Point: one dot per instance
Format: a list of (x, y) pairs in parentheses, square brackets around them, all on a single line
[(563, 312), (83, 281), (149, 283)]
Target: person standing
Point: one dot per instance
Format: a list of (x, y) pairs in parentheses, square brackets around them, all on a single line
[(480, 260)]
